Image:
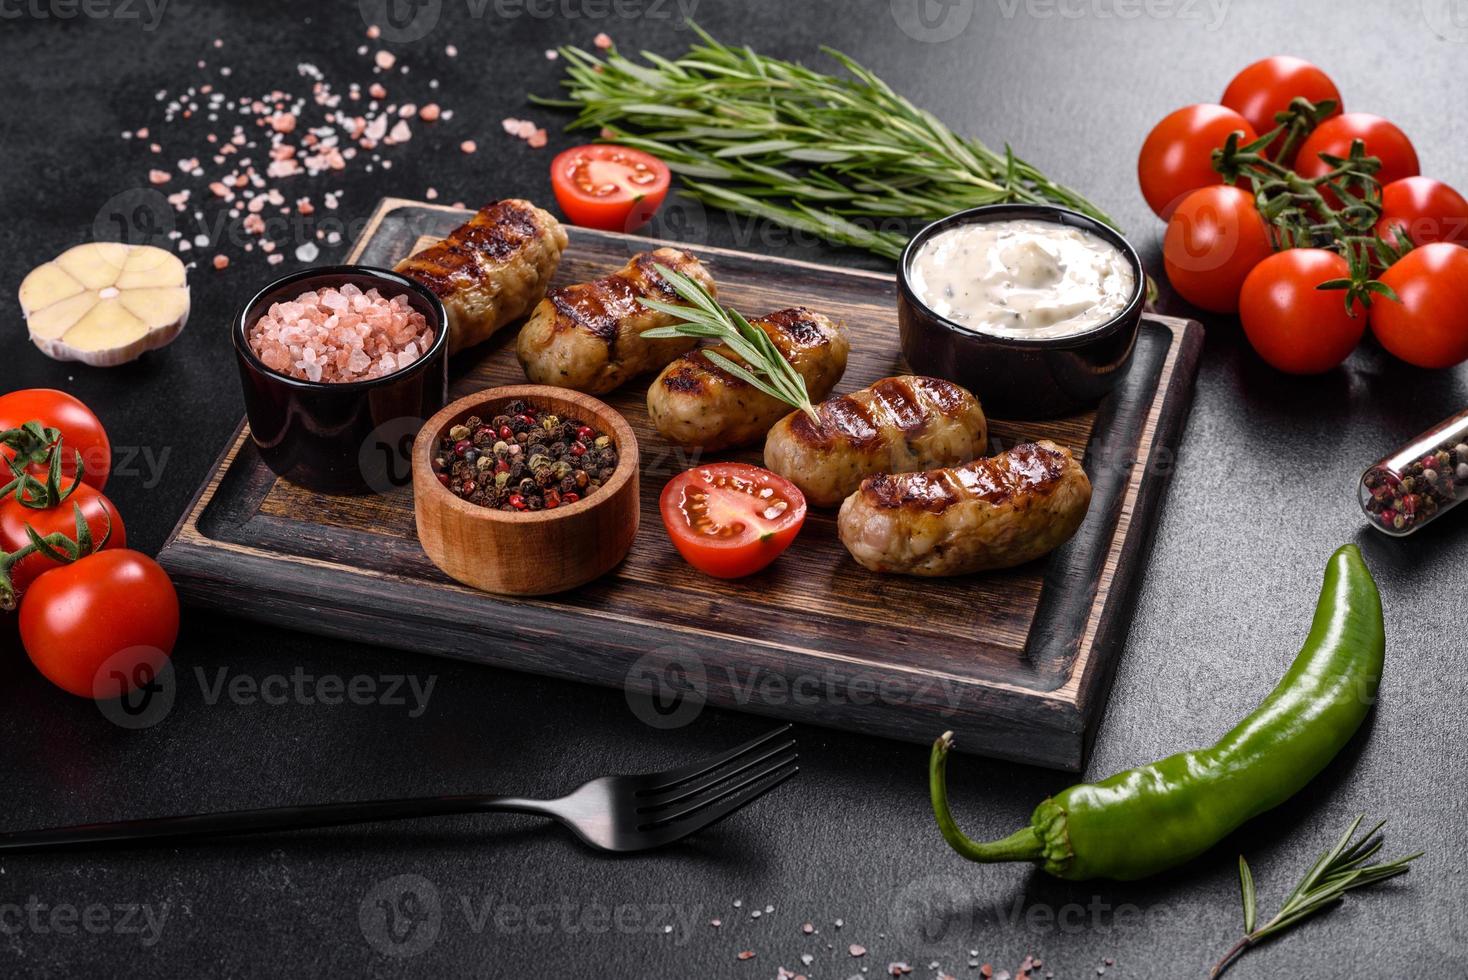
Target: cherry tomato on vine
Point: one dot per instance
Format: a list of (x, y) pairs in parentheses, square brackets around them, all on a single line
[(1177, 156), (614, 188), (80, 430), (96, 509), (102, 625), (1382, 138), (1427, 210), (1214, 240), (1266, 88), (1295, 326), (1428, 326), (731, 519)]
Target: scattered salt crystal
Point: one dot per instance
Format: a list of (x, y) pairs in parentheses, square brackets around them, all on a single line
[(431, 194), (384, 59), (429, 113), (377, 91), (807, 959), (451, 51), (716, 922), (201, 240), (401, 133), (159, 176), (307, 252), (602, 40), (551, 54), (738, 903), (748, 954), (856, 949), (221, 261), (373, 31), (468, 146)]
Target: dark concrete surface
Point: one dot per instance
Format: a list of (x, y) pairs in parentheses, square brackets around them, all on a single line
[(1263, 492)]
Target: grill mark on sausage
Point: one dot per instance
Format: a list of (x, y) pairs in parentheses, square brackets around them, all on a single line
[(596, 307), (491, 238), (947, 397), (791, 331), (1029, 468)]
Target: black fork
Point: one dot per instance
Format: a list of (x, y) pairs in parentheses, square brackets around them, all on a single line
[(611, 813)]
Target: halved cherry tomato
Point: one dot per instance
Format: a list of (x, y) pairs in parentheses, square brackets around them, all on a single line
[(1266, 88), (1427, 210), (1177, 156), (1295, 326), (1428, 326), (101, 625), (81, 432), (96, 509), (1382, 138), (1214, 240), (731, 519), (614, 188)]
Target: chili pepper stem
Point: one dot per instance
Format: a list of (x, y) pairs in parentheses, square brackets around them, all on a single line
[(1022, 845)]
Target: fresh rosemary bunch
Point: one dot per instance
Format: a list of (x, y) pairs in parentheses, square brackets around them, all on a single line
[(763, 367), (1338, 870), (842, 157)]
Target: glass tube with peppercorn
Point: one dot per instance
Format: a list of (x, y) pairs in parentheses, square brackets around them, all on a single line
[(1419, 482)]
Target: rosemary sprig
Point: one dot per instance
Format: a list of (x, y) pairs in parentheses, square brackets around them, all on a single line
[(1337, 871), (764, 367), (840, 156)]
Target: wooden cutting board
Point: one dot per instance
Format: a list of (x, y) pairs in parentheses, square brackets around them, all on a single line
[(1018, 663)]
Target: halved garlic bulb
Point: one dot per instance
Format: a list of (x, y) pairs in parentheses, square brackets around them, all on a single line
[(105, 303)]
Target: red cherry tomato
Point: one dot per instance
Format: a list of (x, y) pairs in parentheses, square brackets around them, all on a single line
[(1295, 326), (614, 188), (1427, 210), (1382, 138), (1428, 326), (1214, 240), (1177, 156), (14, 517), (100, 626), (80, 430), (731, 519), (1266, 88)]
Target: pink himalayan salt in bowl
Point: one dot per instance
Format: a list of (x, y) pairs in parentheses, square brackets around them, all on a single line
[(340, 334)]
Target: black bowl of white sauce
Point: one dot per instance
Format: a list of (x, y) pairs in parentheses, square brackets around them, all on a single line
[(1033, 308)]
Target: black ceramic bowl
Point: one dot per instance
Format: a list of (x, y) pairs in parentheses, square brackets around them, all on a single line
[(1017, 377), (342, 437)]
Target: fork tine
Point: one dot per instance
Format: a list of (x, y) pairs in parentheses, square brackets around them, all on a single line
[(702, 813), (692, 788), (706, 814), (673, 777)]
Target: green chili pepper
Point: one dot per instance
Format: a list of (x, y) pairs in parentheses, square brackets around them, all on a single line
[(1148, 819)]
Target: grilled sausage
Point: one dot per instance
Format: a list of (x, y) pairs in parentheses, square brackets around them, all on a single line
[(896, 425), (588, 336), (990, 513), (490, 271), (695, 403)]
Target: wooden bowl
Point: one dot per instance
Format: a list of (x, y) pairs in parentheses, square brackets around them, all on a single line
[(527, 552)]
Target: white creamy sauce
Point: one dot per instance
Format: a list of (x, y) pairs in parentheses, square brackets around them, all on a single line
[(1022, 278)]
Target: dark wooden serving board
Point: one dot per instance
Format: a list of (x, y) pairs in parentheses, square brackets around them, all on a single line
[(1019, 663)]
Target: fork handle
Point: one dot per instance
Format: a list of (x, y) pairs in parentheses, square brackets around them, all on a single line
[(260, 821)]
